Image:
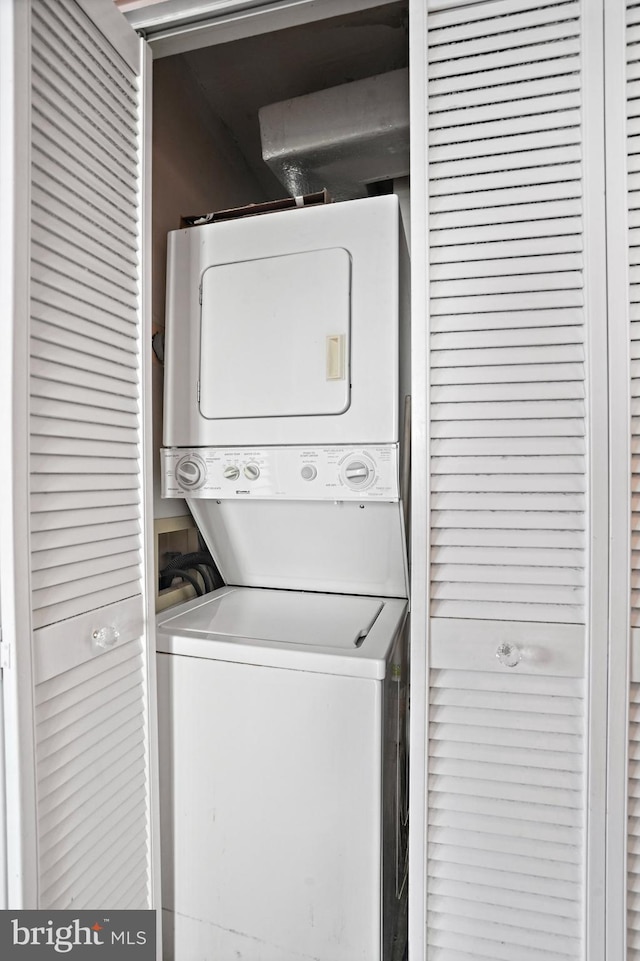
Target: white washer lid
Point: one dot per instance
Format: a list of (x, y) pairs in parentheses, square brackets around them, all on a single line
[(326, 633), (288, 617)]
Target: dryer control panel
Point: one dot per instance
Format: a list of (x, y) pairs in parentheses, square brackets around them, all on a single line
[(285, 473)]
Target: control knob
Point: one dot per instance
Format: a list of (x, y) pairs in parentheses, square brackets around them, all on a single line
[(191, 472), (232, 472), (358, 473), (251, 472)]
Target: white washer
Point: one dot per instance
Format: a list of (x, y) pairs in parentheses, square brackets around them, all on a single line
[(280, 735)]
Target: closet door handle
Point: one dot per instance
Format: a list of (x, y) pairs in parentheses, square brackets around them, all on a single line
[(105, 637), (508, 654)]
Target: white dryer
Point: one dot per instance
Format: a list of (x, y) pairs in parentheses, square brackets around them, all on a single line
[(284, 328)]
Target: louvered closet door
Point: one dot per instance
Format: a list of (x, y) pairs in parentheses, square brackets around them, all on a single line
[(506, 313), (633, 812), (633, 238), (506, 822), (509, 481), (90, 655)]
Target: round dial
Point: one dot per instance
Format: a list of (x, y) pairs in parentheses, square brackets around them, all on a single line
[(358, 473), (232, 472), (191, 472), (251, 472)]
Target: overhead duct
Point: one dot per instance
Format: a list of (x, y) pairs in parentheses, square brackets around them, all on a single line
[(342, 138)]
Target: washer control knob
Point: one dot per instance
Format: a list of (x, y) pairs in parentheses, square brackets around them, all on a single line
[(309, 472), (232, 472), (357, 474), (191, 472), (251, 472)]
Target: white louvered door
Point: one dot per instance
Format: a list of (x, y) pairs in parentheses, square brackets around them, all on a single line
[(506, 313), (633, 810), (517, 498), (87, 679), (622, 58), (632, 38), (507, 805)]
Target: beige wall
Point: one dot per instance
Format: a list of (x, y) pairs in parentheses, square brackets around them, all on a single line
[(196, 166), (196, 169)]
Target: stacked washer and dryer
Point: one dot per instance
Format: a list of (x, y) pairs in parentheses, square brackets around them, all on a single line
[(281, 694)]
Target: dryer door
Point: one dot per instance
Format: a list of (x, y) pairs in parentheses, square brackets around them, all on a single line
[(275, 336)]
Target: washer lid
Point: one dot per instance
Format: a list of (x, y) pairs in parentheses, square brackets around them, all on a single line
[(285, 617), (296, 630)]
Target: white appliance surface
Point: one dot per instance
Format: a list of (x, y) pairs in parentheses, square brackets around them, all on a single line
[(280, 718), (277, 843), (277, 358), (302, 518), (346, 547), (320, 620), (333, 473), (301, 631), (284, 328)]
